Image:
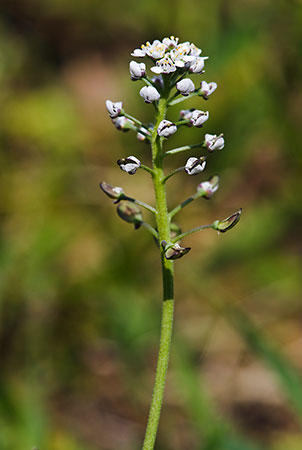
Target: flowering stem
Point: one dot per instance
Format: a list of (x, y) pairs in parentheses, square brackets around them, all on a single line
[(138, 202), (193, 230), (180, 169), (183, 204), (181, 99), (181, 149), (163, 226)]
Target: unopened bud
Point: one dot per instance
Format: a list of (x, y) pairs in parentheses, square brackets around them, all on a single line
[(137, 70), (185, 87), (149, 94), (207, 188), (114, 108), (129, 165), (228, 223), (213, 142), (195, 165), (206, 89), (114, 192), (198, 118), (123, 124), (166, 128), (131, 213)]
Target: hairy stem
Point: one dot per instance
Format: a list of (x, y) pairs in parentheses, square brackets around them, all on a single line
[(163, 226)]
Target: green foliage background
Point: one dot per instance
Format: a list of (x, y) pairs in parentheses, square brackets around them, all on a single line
[(80, 291)]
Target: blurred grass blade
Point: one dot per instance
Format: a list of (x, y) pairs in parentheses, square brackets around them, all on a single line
[(289, 377), (214, 432)]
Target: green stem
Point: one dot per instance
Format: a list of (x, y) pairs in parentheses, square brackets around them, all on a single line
[(182, 99), (163, 226), (147, 169), (138, 202), (187, 233), (181, 149), (180, 169), (136, 121), (151, 229), (181, 122), (183, 204)]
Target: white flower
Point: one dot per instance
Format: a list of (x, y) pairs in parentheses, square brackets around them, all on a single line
[(170, 42), (138, 53), (130, 164), (156, 50), (207, 88), (199, 118), (122, 123), (114, 108), (166, 128), (197, 65), (195, 51), (213, 142), (181, 55), (195, 165), (149, 94), (185, 87), (164, 65), (137, 70), (207, 188), (142, 134)]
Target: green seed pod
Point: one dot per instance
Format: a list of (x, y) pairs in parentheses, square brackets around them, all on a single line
[(131, 213), (228, 223)]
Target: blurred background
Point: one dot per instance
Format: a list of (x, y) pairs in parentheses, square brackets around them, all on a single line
[(80, 291)]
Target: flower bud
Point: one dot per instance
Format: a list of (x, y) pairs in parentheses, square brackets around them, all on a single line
[(137, 70), (114, 192), (199, 118), (174, 251), (207, 188), (123, 124), (142, 134), (129, 165), (131, 213), (158, 81), (213, 142), (138, 53), (149, 94), (228, 223), (195, 165), (114, 108), (185, 87), (166, 128), (197, 65), (186, 114), (206, 89)]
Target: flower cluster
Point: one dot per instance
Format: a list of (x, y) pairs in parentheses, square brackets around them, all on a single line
[(172, 63), (170, 55)]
